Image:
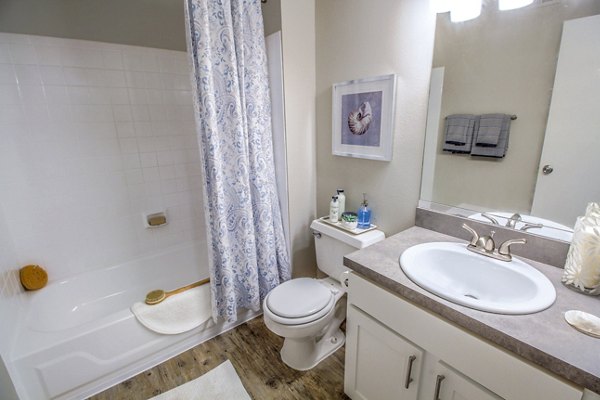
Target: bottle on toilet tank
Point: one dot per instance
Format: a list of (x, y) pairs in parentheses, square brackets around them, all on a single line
[(341, 200), (334, 209), (364, 214)]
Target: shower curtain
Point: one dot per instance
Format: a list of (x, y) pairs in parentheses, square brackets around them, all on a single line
[(233, 110)]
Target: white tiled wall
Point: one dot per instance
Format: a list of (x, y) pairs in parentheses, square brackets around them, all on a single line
[(92, 135), (10, 288)]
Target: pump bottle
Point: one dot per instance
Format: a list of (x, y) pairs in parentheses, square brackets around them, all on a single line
[(364, 214), (334, 209)]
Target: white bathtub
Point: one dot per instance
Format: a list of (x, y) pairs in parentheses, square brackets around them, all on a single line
[(79, 336)]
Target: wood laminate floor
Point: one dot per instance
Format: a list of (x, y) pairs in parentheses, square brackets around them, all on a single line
[(254, 352)]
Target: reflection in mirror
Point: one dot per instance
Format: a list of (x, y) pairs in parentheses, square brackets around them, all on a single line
[(506, 62), (526, 223)]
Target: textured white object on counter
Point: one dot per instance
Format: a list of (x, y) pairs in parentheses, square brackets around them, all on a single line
[(582, 268)]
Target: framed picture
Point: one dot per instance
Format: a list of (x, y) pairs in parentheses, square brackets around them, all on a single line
[(363, 118)]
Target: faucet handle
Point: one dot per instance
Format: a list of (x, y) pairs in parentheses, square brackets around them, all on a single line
[(475, 235), (492, 219), (504, 248), (531, 226)]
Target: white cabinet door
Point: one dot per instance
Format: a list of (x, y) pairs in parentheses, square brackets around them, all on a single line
[(380, 364), (452, 385)]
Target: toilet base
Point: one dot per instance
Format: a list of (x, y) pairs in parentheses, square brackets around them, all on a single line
[(305, 353)]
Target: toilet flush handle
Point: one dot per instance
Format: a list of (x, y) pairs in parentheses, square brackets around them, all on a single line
[(344, 278), (317, 234)]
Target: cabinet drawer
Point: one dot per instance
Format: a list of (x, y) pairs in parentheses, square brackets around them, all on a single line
[(496, 369)]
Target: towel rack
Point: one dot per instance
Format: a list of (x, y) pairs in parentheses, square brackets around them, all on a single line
[(513, 117)]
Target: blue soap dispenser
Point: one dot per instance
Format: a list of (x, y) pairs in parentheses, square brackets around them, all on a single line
[(364, 214)]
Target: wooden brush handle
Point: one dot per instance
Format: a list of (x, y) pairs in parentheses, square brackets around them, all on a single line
[(190, 286)]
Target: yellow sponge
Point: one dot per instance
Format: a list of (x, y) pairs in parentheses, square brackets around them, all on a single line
[(33, 277)]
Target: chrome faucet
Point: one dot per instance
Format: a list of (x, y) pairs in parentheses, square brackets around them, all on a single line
[(512, 221), (486, 246)]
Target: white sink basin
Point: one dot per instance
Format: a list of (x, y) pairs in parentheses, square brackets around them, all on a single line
[(450, 271)]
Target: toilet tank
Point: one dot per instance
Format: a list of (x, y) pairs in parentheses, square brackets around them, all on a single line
[(333, 244)]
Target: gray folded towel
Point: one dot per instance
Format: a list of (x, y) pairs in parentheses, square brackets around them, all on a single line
[(490, 126), (491, 136), (459, 130)]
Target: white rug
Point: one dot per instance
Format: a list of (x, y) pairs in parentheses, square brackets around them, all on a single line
[(222, 383)]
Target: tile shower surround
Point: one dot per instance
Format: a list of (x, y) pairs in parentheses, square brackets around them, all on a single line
[(92, 135), (10, 288)]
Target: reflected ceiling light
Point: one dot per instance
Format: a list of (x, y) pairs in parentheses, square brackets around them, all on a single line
[(512, 4), (465, 10), (440, 6)]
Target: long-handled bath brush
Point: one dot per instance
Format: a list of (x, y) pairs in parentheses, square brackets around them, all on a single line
[(156, 296)]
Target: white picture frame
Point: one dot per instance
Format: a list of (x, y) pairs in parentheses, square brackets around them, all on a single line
[(363, 118)]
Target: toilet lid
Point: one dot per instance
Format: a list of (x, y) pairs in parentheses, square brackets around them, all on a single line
[(299, 297)]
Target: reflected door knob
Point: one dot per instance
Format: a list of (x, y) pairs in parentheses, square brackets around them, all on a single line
[(547, 169)]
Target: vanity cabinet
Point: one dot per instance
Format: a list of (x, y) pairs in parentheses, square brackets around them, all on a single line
[(390, 340), (382, 365)]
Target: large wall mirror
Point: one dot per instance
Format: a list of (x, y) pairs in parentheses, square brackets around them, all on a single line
[(540, 64)]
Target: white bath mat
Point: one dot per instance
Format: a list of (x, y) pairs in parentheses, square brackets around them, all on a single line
[(221, 383), (178, 313)]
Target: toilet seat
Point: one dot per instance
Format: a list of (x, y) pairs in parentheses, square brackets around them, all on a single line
[(299, 301)]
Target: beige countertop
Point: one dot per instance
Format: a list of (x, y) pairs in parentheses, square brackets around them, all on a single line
[(543, 338)]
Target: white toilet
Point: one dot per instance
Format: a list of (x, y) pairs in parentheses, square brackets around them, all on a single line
[(308, 312)]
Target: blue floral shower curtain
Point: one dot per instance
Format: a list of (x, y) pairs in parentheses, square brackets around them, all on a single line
[(245, 232)]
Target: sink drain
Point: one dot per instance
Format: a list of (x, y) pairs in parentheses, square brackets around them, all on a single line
[(471, 296)]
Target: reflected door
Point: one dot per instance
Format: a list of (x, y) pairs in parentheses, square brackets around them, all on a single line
[(569, 171)]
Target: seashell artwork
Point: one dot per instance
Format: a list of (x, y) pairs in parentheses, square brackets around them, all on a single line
[(360, 119)]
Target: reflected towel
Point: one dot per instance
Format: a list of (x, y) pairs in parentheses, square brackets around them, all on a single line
[(178, 313), (490, 126), (458, 131), (485, 150)]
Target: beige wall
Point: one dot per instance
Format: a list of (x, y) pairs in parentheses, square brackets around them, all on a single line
[(501, 62), (271, 11), (298, 41), (359, 39), (150, 23)]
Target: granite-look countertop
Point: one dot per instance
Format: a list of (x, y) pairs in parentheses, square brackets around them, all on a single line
[(544, 338)]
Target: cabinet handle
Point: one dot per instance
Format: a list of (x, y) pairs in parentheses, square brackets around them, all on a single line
[(408, 380), (438, 386)]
